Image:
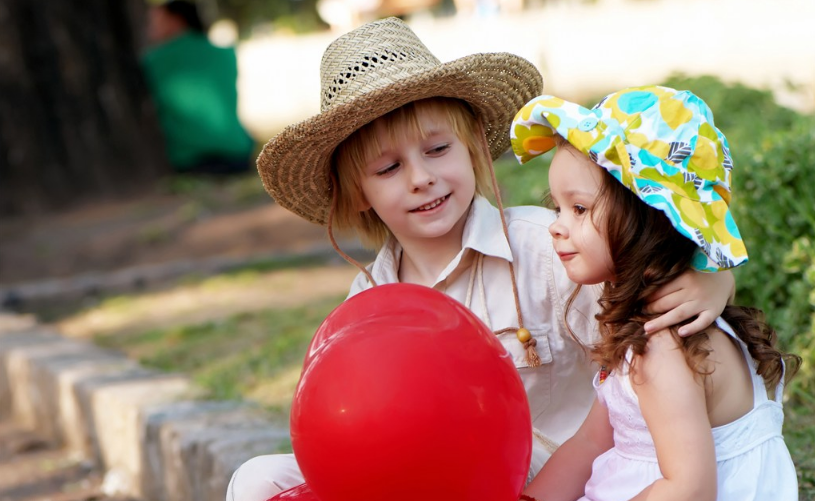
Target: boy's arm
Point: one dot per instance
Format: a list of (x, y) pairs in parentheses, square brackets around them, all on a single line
[(672, 401), (693, 294), (564, 476)]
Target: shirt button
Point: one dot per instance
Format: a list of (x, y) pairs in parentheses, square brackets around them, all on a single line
[(587, 124)]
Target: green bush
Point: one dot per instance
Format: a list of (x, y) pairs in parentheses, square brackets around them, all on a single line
[(774, 206)]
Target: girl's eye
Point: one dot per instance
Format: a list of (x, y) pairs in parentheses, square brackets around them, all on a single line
[(579, 209)]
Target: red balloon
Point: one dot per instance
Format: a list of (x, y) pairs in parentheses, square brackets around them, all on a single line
[(299, 493), (405, 395)]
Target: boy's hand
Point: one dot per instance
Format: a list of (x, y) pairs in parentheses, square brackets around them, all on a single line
[(693, 294)]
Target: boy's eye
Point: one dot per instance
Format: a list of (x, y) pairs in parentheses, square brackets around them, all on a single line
[(438, 149), (387, 169)]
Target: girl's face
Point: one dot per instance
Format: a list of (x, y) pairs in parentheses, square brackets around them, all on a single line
[(574, 182), (421, 187)]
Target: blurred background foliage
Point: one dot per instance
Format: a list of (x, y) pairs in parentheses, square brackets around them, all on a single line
[(298, 16)]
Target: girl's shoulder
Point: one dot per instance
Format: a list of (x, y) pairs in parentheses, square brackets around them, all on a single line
[(663, 354), (720, 347), (661, 346)]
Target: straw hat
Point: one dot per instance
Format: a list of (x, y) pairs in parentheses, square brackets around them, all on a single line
[(369, 72)]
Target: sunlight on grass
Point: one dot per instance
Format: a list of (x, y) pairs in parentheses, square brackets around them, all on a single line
[(210, 300), (276, 392)]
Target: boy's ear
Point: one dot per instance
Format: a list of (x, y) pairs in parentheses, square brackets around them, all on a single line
[(363, 205)]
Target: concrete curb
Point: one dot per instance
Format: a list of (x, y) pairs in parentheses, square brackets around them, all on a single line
[(146, 430)]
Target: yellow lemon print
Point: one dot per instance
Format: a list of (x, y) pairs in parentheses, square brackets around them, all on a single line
[(691, 211), (704, 161), (674, 112), (550, 102), (581, 140), (656, 147)]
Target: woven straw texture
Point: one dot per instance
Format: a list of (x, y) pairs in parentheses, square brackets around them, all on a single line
[(369, 72)]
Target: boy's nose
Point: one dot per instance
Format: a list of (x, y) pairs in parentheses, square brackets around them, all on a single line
[(420, 176)]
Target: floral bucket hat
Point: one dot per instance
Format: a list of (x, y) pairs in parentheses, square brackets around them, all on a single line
[(662, 145)]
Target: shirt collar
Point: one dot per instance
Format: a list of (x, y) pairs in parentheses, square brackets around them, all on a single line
[(483, 233)]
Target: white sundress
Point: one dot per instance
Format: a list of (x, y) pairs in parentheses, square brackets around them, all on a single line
[(752, 460)]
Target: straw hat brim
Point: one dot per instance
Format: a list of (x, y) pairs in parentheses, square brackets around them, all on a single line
[(294, 165)]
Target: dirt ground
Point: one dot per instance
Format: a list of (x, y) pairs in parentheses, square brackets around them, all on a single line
[(33, 470), (157, 228)]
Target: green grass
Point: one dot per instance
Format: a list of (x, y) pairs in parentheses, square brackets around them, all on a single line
[(799, 432)]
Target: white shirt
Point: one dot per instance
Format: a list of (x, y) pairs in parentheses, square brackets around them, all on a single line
[(560, 391)]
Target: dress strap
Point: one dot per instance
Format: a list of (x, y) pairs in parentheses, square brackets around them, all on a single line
[(759, 391), (779, 388)]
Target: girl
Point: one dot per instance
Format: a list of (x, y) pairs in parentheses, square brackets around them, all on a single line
[(674, 418), (402, 155)]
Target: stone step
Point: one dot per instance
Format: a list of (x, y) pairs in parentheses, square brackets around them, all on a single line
[(150, 433)]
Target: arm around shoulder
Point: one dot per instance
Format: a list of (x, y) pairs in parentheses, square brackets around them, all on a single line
[(692, 294)]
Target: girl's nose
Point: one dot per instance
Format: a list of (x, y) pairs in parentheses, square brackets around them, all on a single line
[(558, 229)]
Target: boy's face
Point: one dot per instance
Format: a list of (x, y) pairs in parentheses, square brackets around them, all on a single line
[(575, 182), (421, 188)]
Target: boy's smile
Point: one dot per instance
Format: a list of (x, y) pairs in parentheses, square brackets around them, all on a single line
[(421, 185), (431, 205)]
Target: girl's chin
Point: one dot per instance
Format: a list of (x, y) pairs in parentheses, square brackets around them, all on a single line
[(582, 280)]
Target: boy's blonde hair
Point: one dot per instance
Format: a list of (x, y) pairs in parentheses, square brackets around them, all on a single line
[(352, 155)]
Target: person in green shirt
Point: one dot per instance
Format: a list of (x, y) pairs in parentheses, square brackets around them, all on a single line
[(193, 84)]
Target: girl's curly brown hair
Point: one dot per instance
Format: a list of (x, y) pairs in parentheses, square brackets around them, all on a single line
[(648, 252)]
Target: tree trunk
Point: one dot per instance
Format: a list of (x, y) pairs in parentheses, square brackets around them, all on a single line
[(76, 120)]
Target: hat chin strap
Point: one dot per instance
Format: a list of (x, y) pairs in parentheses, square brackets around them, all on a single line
[(334, 244), (524, 336)]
